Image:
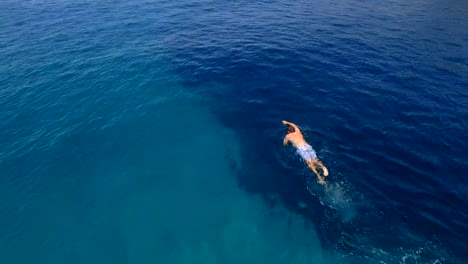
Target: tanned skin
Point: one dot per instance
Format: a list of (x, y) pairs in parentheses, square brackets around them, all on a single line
[(297, 140)]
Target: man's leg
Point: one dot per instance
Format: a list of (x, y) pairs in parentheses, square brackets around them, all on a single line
[(324, 169), (312, 165)]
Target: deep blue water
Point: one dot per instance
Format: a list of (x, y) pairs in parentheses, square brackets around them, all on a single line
[(148, 131)]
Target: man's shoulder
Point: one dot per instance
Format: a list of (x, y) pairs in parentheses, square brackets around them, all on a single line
[(296, 136), (298, 133)]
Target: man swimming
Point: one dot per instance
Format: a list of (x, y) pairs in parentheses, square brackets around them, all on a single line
[(304, 150)]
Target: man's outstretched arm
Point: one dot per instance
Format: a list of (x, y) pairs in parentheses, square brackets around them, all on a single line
[(290, 124)]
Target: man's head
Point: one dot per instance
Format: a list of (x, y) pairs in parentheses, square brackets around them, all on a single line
[(291, 129)]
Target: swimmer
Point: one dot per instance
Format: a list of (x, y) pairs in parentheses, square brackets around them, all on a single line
[(304, 150)]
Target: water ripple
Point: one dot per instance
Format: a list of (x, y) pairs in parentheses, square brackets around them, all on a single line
[(380, 90)]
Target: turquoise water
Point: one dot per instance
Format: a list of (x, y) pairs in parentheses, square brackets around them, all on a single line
[(150, 131)]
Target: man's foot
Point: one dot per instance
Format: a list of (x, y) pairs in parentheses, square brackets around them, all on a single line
[(325, 172), (321, 181)]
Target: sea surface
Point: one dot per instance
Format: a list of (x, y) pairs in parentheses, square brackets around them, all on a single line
[(147, 131)]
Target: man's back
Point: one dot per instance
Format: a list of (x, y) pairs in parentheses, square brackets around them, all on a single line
[(296, 137)]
